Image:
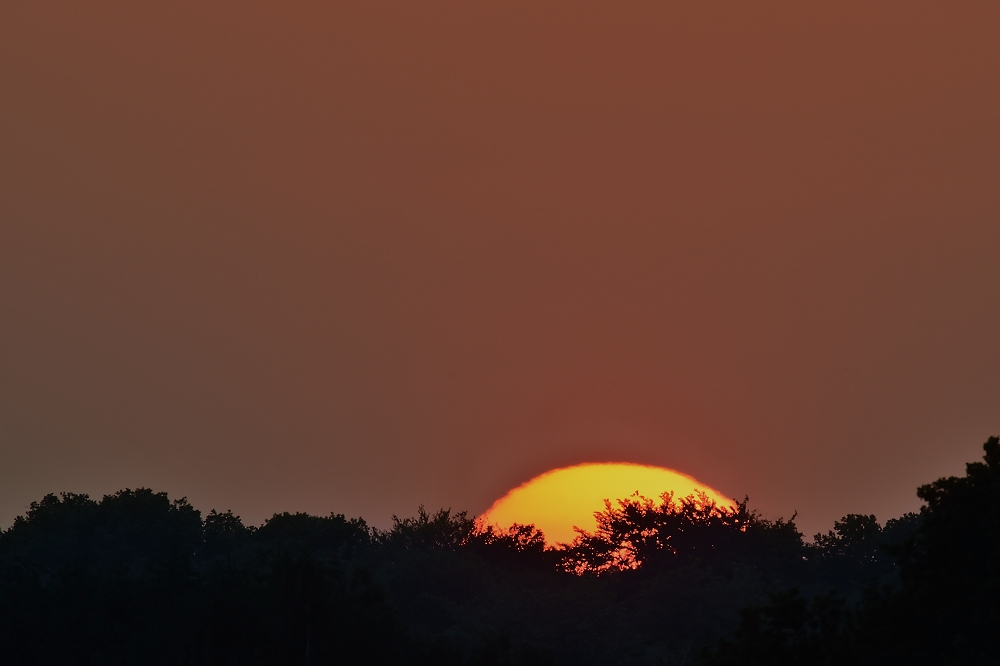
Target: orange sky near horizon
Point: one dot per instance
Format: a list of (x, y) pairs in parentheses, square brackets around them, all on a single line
[(359, 257)]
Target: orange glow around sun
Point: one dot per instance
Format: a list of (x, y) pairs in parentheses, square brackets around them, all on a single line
[(559, 500)]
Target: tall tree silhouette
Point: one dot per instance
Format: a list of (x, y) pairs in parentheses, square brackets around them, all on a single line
[(944, 609), (948, 608)]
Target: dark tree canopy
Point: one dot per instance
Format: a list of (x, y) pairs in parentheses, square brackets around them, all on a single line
[(940, 606), (136, 577)]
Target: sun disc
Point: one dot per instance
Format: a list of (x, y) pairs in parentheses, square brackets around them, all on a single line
[(561, 499)]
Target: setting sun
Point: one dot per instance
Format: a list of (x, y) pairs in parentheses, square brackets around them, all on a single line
[(561, 499)]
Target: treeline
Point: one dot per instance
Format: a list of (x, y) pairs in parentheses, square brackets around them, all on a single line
[(942, 608), (136, 578)]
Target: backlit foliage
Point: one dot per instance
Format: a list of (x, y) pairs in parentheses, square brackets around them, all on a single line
[(639, 532)]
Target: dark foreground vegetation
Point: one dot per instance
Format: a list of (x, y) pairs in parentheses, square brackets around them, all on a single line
[(136, 578)]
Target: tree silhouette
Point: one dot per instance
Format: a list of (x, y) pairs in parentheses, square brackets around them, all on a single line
[(641, 533), (943, 609), (948, 607), (139, 578)]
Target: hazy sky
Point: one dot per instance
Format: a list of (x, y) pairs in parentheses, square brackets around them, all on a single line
[(360, 256)]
